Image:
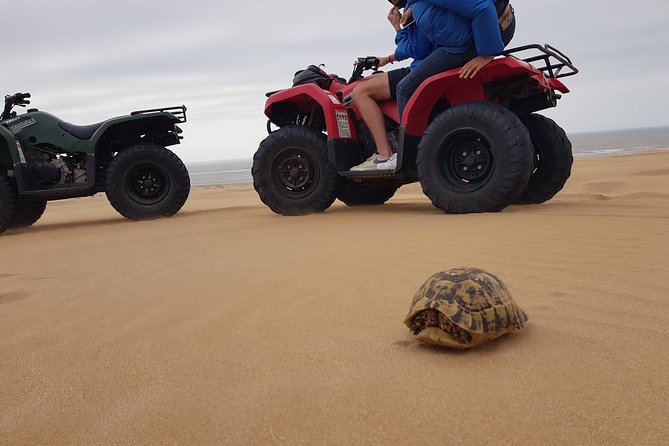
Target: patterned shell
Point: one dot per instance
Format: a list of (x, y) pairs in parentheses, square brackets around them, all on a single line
[(462, 308)]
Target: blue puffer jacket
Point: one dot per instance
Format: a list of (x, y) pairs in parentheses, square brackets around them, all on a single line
[(411, 43), (456, 24)]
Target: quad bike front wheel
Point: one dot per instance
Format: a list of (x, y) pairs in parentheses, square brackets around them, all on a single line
[(552, 159), (474, 157), (292, 173), (27, 212), (8, 201), (353, 194), (147, 181)]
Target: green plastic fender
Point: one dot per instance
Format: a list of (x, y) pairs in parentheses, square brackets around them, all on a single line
[(9, 154), (132, 124)]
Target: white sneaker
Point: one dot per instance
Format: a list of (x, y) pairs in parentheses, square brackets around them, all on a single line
[(376, 162), (390, 164)]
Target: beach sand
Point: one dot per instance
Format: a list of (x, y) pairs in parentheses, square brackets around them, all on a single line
[(228, 324)]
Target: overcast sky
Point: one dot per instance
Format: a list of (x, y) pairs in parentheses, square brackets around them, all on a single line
[(86, 60)]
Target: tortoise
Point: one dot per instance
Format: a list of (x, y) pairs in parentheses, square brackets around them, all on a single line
[(463, 308)]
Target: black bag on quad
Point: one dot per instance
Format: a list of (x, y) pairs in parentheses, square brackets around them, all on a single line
[(314, 75)]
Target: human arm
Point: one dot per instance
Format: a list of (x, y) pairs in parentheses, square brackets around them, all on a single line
[(411, 43), (395, 17), (401, 40), (471, 68), (485, 25)]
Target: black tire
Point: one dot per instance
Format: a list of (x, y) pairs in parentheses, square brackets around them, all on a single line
[(147, 181), (8, 201), (366, 194), (292, 173), (27, 212), (474, 157), (552, 159)]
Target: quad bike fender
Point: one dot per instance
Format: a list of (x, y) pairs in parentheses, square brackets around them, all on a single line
[(158, 128), (9, 150), (448, 88), (311, 101)]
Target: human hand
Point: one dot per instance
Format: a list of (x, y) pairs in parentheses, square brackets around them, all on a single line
[(471, 68), (394, 17), (384, 60), (407, 16)]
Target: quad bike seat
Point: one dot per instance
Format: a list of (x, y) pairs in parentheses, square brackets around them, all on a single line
[(80, 131)]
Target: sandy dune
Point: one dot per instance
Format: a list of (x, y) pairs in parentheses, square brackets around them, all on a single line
[(228, 324)]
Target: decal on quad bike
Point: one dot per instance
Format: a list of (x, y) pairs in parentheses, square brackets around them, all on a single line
[(342, 123), (20, 150), (16, 128), (334, 100), (9, 121)]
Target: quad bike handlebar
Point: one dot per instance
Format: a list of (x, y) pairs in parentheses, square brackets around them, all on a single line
[(363, 64), (20, 99)]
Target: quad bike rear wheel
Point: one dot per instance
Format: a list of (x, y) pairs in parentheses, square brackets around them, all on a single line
[(474, 157), (7, 201), (552, 159), (292, 173), (353, 194), (147, 181)]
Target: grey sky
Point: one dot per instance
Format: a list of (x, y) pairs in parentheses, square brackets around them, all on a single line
[(86, 61)]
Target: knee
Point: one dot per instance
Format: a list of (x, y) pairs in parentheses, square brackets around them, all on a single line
[(360, 91)]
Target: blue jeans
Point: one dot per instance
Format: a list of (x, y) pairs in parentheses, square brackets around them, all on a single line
[(439, 61)]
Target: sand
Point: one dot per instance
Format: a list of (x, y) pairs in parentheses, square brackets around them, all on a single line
[(228, 324)]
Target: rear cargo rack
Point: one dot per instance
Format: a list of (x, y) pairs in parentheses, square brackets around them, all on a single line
[(551, 62), (178, 112)]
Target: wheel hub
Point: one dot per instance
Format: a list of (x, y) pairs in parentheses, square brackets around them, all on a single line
[(295, 172), (471, 162), (147, 184)]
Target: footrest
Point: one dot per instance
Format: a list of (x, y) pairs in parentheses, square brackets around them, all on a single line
[(368, 174)]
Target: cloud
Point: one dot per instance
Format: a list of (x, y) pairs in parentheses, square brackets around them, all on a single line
[(87, 61)]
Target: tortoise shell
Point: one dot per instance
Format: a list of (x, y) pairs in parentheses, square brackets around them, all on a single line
[(463, 308)]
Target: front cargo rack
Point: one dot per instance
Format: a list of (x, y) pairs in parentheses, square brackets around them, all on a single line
[(555, 63), (178, 112)]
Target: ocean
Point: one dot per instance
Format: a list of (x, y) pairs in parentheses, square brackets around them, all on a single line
[(584, 145)]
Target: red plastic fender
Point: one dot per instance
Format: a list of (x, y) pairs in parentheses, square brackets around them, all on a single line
[(448, 85), (305, 97)]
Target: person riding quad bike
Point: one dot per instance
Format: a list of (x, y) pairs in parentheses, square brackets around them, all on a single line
[(475, 145)]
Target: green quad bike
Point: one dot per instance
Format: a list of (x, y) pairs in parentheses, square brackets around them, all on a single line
[(44, 158)]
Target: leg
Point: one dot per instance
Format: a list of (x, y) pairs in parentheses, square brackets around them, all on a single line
[(439, 61), (366, 94)]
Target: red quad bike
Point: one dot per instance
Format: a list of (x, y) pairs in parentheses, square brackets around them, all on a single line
[(475, 145)]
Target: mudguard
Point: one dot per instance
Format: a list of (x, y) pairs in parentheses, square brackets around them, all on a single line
[(9, 152), (282, 107), (129, 127), (506, 71)]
